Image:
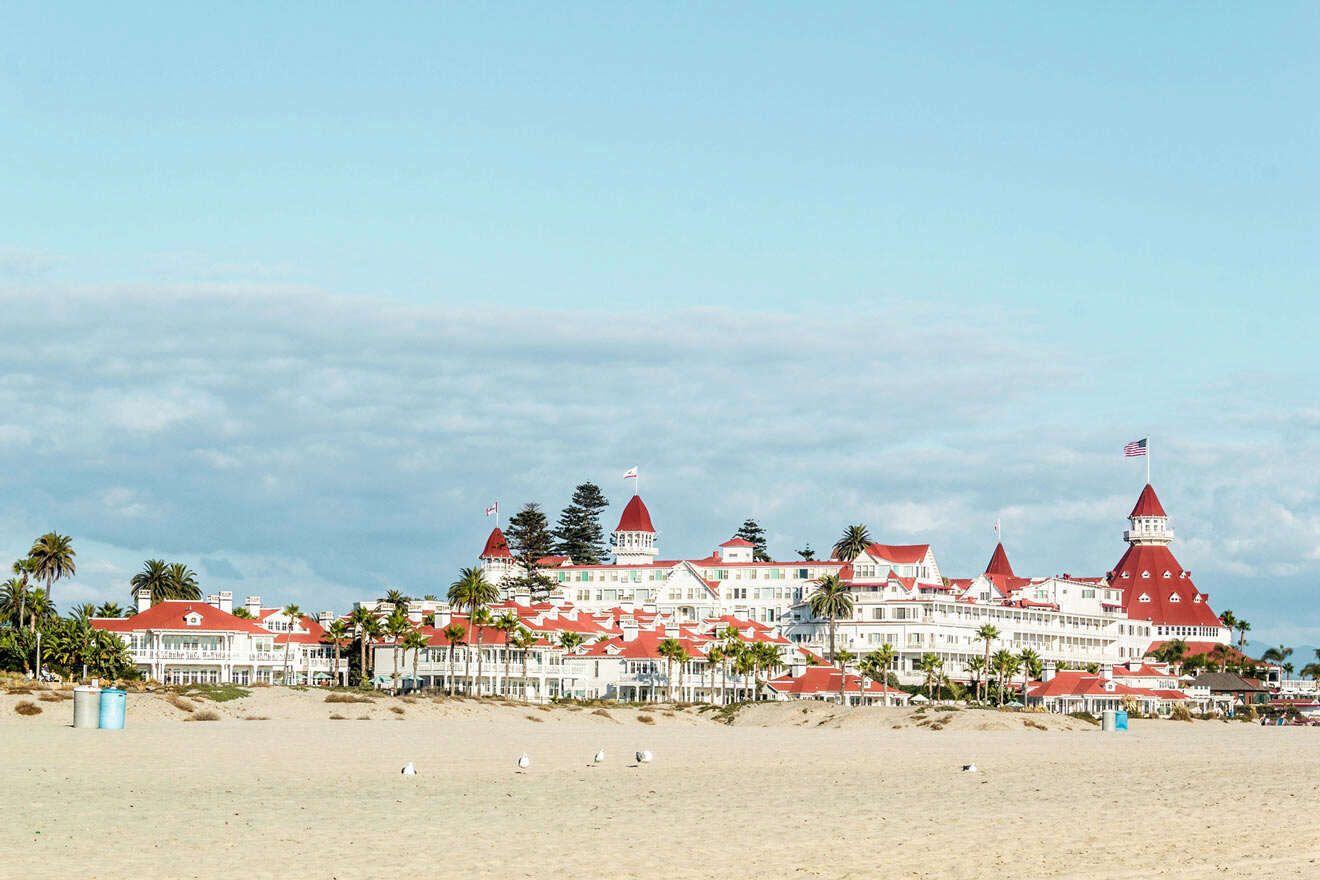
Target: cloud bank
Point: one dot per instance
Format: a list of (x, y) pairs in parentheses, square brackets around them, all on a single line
[(316, 448)]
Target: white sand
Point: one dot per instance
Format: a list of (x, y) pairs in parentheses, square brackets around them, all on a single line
[(823, 793)]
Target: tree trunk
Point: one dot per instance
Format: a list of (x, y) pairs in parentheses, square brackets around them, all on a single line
[(478, 681), (831, 645), (467, 668), (395, 652), (362, 667), (524, 674), (449, 683)]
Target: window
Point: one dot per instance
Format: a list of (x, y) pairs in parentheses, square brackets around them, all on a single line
[(1174, 597), (1143, 598), (802, 574), (1088, 594), (1168, 574)]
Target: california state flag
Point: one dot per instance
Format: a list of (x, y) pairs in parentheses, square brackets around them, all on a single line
[(631, 474)]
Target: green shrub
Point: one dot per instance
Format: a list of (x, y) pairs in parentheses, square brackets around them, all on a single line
[(1084, 716)]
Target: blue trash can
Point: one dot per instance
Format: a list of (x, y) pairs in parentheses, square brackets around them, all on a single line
[(1120, 720), (112, 709)]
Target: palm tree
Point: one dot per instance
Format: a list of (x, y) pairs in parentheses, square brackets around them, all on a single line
[(1031, 666), (987, 633), (110, 609), (397, 625), (930, 663), (242, 613), (1243, 628), (472, 591), (975, 667), (360, 619), (1005, 663), (869, 667), (669, 649), (294, 613), (453, 634), (524, 639), (84, 612), (744, 665), (852, 543), (481, 618), (885, 655), (13, 598), (844, 657), (1312, 669), (1172, 652), (338, 631), (768, 656), (1230, 621), (1219, 655), (1277, 655), (154, 576), (415, 641), (508, 624), (52, 557), (397, 599), (731, 648), (831, 599), (714, 658), (183, 582), (23, 570), (682, 659)]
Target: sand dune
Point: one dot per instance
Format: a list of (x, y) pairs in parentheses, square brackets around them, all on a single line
[(780, 793)]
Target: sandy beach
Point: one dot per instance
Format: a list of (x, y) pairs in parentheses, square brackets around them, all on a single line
[(787, 790)]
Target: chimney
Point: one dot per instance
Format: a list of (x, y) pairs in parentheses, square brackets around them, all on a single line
[(253, 605), (671, 630), (626, 606), (226, 601), (629, 628), (1048, 673), (1134, 664), (213, 600), (443, 617), (648, 607), (522, 597), (798, 669), (325, 618), (143, 599), (1106, 671)]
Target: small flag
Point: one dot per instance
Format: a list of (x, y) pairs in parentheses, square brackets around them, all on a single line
[(631, 474), (996, 530), (1136, 447), (494, 509)]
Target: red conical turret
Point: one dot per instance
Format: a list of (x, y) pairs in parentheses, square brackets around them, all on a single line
[(635, 518), (496, 546), (998, 563), (1148, 504)]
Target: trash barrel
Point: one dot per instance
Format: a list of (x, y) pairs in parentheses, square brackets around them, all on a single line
[(1108, 719), (112, 709), (87, 706), (1120, 719)]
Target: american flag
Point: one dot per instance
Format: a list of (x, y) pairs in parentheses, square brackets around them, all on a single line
[(1136, 447)]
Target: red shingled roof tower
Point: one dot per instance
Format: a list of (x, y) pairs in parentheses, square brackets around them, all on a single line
[(1155, 586), (998, 563)]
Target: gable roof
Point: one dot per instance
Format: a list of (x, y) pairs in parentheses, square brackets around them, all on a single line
[(904, 553), (737, 542)]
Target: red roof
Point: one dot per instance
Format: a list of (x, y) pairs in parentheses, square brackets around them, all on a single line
[(646, 646), (496, 546), (1078, 683), (553, 561), (825, 679), (1168, 601), (635, 518), (998, 563), (906, 553), (737, 542), (1148, 504), (170, 614)]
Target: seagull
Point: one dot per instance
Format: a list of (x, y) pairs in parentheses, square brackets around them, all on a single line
[(969, 768), (600, 756), (409, 769), (524, 762), (644, 757)]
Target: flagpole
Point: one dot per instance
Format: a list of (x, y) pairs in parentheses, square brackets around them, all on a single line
[(1147, 459)]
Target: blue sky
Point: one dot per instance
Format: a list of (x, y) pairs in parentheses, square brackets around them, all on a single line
[(291, 293)]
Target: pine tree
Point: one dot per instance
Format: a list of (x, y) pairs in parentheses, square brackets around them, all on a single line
[(529, 538), (579, 534), (807, 553), (753, 532)]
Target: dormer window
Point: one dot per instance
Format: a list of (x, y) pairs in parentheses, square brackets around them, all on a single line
[(1143, 598), (1145, 574), (192, 619), (1197, 599), (1168, 575), (1174, 597), (1125, 575)]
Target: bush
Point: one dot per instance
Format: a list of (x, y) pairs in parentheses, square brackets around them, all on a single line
[(535, 718), (203, 716), (218, 693), (27, 707), (342, 697), (1084, 716), (603, 714), (645, 719), (335, 716), (54, 697), (1180, 713), (397, 710), (180, 703)]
